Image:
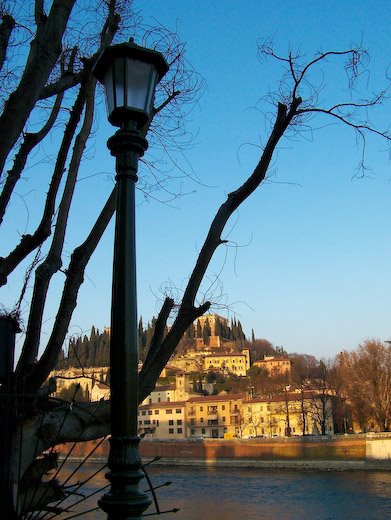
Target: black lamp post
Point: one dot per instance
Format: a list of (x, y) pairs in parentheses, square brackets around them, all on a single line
[(129, 74)]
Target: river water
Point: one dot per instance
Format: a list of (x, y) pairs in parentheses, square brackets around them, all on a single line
[(251, 494)]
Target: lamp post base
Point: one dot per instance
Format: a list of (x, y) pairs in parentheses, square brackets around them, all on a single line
[(124, 500)]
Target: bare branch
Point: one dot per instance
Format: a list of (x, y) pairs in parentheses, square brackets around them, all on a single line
[(43, 56), (39, 13), (31, 140), (74, 279), (53, 262), (29, 242), (64, 83), (361, 127), (188, 311), (6, 27)]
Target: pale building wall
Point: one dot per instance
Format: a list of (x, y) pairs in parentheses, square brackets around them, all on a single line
[(85, 377), (162, 420), (181, 390), (100, 391), (378, 446)]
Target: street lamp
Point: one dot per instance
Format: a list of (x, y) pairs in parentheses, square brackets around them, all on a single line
[(129, 74)]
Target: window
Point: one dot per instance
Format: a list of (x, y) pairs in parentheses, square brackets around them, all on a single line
[(178, 410), (223, 418), (223, 407), (203, 431), (150, 400), (192, 431), (192, 422), (179, 430), (169, 411), (159, 400), (179, 422), (157, 423), (168, 399), (156, 412), (149, 412), (171, 422), (201, 408), (147, 421), (143, 412), (202, 419), (140, 422), (171, 431)]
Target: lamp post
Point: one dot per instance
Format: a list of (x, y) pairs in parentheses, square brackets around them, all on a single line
[(129, 74)]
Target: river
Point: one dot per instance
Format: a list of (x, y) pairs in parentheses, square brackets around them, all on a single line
[(250, 494)]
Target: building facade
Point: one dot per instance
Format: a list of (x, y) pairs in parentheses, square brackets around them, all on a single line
[(213, 416), (275, 366), (162, 420), (237, 363)]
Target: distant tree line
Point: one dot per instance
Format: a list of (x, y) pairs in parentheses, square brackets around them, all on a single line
[(86, 352), (94, 351)]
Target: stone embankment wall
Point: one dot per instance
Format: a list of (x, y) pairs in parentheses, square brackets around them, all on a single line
[(366, 451)]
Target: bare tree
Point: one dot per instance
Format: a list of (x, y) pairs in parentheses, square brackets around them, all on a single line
[(254, 419), (365, 379), (51, 99), (55, 68)]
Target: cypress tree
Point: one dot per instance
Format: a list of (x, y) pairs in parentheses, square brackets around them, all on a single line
[(199, 330), (206, 332), (240, 332)]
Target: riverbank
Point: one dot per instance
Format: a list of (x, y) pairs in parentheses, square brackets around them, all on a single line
[(371, 451)]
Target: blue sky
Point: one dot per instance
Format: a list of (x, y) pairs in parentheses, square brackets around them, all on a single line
[(312, 268)]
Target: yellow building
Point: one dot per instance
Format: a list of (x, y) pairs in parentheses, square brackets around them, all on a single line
[(289, 414), (213, 416), (275, 366), (237, 364)]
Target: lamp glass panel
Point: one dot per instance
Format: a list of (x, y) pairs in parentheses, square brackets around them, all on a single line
[(139, 87), (119, 82), (152, 85), (109, 89)]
